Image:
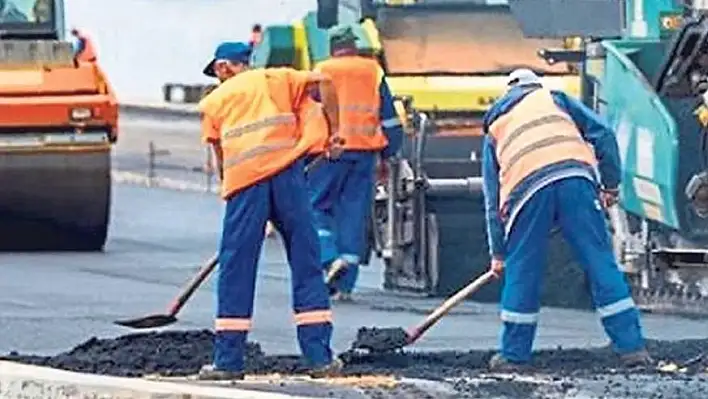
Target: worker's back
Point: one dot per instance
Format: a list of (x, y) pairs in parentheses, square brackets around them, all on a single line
[(533, 135), (356, 80), (258, 125)]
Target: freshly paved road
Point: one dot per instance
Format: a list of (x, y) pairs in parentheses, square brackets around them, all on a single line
[(158, 237)]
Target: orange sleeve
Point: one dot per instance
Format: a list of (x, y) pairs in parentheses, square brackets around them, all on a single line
[(210, 131), (299, 81)]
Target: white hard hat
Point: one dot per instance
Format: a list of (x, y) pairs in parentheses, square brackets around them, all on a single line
[(522, 77)]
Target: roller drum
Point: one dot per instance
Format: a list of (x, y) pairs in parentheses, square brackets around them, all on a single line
[(55, 199)]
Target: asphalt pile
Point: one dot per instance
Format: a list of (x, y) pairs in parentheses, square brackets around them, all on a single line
[(179, 353)]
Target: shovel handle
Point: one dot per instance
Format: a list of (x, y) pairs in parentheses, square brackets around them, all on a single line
[(449, 303), (192, 286)]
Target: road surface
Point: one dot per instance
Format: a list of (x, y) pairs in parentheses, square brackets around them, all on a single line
[(158, 237), (51, 302)]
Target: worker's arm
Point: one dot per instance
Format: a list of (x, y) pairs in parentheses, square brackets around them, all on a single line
[(490, 185), (330, 105), (598, 134), (390, 122), (210, 135), (320, 85)]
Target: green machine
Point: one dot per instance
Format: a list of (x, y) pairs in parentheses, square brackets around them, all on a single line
[(645, 69)]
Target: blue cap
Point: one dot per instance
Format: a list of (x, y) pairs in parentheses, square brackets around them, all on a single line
[(229, 51)]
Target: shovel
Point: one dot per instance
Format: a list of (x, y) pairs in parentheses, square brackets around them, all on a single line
[(383, 340), (161, 320)]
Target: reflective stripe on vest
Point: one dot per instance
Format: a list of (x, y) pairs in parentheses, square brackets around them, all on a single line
[(250, 127), (534, 134), (259, 130), (359, 129), (251, 153), (356, 80)]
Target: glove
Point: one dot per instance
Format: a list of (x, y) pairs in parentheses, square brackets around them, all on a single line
[(335, 146), (609, 197), (497, 267), (702, 114)]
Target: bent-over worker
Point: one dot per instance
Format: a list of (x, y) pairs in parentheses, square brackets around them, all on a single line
[(341, 190), (539, 173), (250, 120)]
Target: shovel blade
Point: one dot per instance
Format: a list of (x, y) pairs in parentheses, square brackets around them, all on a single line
[(381, 340), (151, 321)]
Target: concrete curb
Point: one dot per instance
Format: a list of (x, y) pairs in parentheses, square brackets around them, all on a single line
[(25, 381), (182, 111)]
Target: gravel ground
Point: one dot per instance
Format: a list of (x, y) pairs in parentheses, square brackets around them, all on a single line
[(558, 372)]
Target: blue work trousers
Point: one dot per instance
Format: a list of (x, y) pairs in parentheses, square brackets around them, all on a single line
[(573, 205), (341, 192), (282, 199)]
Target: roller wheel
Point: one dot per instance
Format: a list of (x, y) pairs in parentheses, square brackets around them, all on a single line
[(54, 201)]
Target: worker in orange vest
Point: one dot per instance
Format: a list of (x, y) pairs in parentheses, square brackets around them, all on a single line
[(251, 121), (341, 190), (256, 35), (84, 50)]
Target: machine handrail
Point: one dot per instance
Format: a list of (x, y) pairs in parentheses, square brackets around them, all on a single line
[(420, 140)]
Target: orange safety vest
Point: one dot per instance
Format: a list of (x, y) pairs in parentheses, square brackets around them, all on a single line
[(260, 134), (534, 134), (88, 54), (356, 80)]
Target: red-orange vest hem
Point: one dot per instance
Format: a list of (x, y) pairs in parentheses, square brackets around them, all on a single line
[(88, 54), (258, 130), (356, 80), (534, 134)]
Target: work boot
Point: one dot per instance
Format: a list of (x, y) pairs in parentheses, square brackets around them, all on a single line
[(500, 364), (210, 373), (640, 358), (343, 297), (336, 269), (333, 369)]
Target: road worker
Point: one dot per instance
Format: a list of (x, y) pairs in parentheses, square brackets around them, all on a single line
[(84, 50), (250, 120), (315, 129), (256, 35), (341, 190), (539, 172)]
